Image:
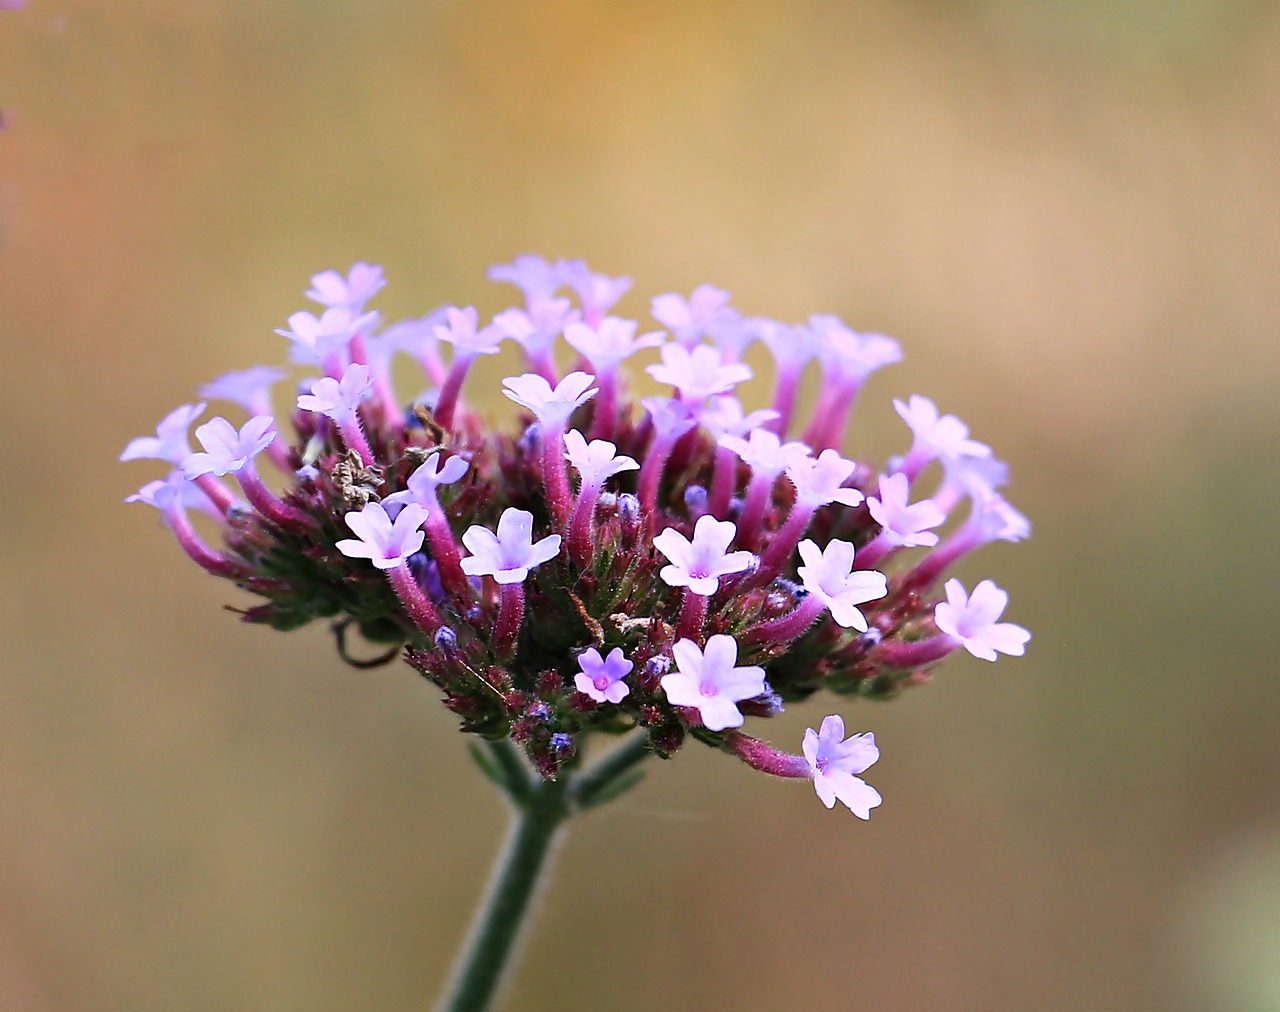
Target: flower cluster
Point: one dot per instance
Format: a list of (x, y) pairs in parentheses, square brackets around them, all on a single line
[(677, 564)]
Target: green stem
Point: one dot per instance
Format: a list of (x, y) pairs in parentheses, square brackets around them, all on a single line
[(497, 925), (540, 807)]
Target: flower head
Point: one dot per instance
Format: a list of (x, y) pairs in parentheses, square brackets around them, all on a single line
[(460, 330), (828, 574), (690, 319), (819, 482), (942, 436), (170, 441), (426, 478), (363, 282), (699, 373), (610, 343), (835, 762), (339, 399), (597, 292), (250, 388), (904, 524), (711, 682), (226, 450), (723, 416), (511, 553), (972, 620), (533, 275), (602, 678), (317, 339), (551, 406), (699, 564), (385, 543), (596, 462)]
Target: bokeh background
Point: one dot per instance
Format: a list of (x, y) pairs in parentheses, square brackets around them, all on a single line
[(1069, 214)]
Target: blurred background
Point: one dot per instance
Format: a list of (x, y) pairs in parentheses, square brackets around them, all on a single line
[(1069, 215)]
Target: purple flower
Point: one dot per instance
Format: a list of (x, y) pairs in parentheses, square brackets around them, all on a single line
[(854, 356), (671, 419), (537, 328), (170, 441), (597, 292), (533, 275), (723, 416), (329, 288), (339, 399), (318, 339), (250, 388), (699, 373), (819, 482), (970, 619), (386, 544), (829, 575), (791, 346), (460, 331), (938, 435), (226, 450), (834, 762), (699, 564), (602, 678), (611, 343), (596, 462), (765, 453), (711, 682), (902, 524), (426, 478), (689, 319), (172, 492), (511, 553), (552, 407)]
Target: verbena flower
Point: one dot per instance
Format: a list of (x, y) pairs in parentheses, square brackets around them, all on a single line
[(706, 565)]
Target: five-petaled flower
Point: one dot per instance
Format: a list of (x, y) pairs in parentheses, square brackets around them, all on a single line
[(711, 682), (698, 373), (602, 678), (596, 462), (971, 620), (386, 543), (511, 553), (339, 399), (552, 406), (834, 763), (829, 575), (699, 564), (226, 450)]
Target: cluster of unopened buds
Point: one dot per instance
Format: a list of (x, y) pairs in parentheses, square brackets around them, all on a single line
[(698, 568)]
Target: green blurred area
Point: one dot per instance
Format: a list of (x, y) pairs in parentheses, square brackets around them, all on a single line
[(1067, 212)]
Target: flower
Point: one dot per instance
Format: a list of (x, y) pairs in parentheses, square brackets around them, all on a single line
[(610, 343), (723, 416), (537, 328), (597, 292), (902, 524), (601, 679), (671, 419), (835, 761), (250, 388), (689, 319), (339, 399), (699, 564), (596, 462), (854, 356), (828, 574), (765, 453), (460, 331), (386, 543), (426, 478), (511, 553), (317, 339), (170, 441), (227, 450), (531, 274), (970, 619), (938, 436), (552, 407), (329, 288), (699, 373), (819, 482), (711, 682)]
